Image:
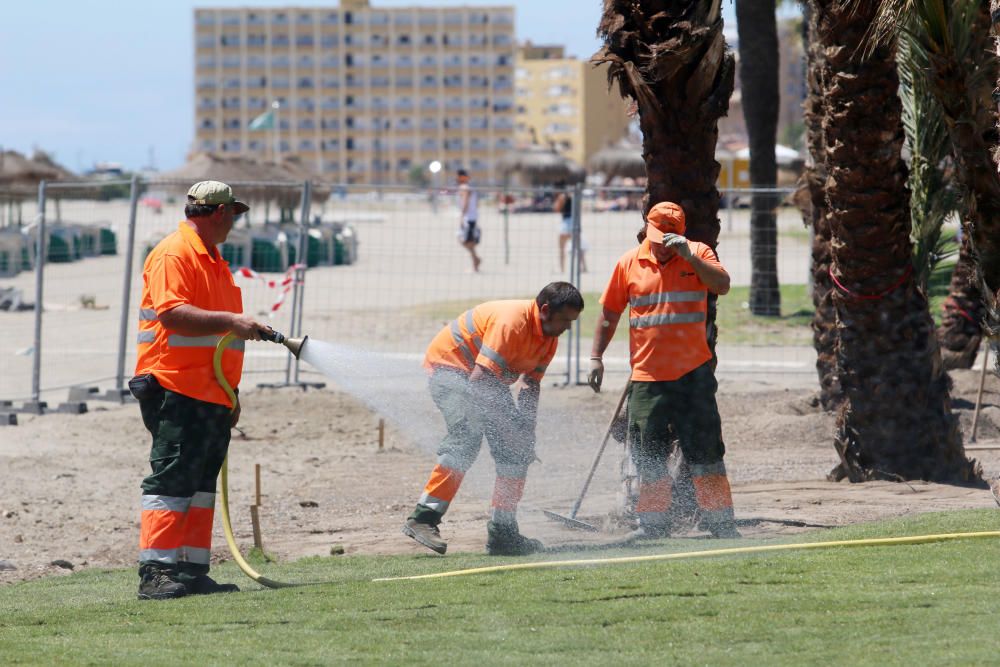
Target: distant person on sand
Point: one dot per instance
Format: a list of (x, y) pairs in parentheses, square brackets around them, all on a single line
[(474, 362), (563, 205), (468, 206)]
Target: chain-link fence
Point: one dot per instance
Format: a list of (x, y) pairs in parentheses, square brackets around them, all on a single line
[(380, 268)]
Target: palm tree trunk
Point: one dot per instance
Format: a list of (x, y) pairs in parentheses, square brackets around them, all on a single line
[(671, 58), (961, 332), (758, 36), (811, 197), (895, 420), (964, 91)]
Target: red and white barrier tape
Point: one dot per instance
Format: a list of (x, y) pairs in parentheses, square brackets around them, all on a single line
[(285, 284)]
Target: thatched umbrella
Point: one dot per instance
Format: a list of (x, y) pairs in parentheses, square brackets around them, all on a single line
[(539, 165), (45, 160), (623, 160), (253, 180), (19, 178)]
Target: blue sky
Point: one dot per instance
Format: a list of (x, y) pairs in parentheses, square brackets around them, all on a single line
[(111, 80)]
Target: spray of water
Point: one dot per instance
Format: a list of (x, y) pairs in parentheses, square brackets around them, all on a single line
[(394, 389)]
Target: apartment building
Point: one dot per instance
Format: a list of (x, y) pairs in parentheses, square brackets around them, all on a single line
[(363, 93), (565, 102)]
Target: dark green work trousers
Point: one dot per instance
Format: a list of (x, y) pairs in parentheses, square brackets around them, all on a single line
[(190, 441), (688, 404)]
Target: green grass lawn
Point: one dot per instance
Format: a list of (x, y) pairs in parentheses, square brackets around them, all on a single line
[(915, 604), (737, 325)]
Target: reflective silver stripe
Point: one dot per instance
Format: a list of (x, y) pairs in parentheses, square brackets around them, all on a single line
[(203, 499), (456, 335), (145, 337), (196, 555), (667, 297), (705, 469), (170, 503), (495, 357), (177, 340), (450, 461), (716, 517), (165, 556), (665, 318), (505, 517), (435, 504), (147, 315), (470, 327)]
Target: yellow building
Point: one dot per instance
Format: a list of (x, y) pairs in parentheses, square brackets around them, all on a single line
[(565, 102), (365, 94)]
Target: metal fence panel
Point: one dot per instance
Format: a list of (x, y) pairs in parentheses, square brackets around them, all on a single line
[(382, 269)]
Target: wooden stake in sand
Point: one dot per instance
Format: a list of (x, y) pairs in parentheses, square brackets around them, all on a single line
[(381, 434), (254, 509), (979, 396)]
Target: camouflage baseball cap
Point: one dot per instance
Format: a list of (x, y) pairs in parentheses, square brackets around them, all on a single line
[(213, 193)]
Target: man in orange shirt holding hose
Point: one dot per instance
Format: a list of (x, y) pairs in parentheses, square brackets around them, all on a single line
[(472, 363), (665, 283), (189, 301)]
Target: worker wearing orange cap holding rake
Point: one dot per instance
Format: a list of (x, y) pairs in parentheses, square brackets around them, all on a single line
[(665, 283)]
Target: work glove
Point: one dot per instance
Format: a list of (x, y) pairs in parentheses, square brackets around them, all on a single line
[(596, 375), (679, 244)]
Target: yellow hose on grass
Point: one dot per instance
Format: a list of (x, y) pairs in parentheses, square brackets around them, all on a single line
[(874, 542), (227, 524)]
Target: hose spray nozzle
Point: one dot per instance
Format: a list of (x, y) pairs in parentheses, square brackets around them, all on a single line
[(294, 345)]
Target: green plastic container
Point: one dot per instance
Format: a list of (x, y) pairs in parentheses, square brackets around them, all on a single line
[(109, 242)]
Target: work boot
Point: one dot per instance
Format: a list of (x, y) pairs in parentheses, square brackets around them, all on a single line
[(159, 584), (724, 531), (203, 584), (425, 534), (503, 540), (646, 533)]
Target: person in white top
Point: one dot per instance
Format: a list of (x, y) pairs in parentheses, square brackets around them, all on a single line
[(468, 205)]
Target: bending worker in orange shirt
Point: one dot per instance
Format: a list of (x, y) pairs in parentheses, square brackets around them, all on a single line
[(189, 301), (472, 363), (665, 283)]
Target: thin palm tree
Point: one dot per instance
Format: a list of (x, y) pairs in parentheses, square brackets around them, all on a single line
[(954, 35), (895, 419), (671, 59), (811, 199), (757, 27)]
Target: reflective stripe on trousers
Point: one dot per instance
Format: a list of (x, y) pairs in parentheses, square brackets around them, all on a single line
[(176, 529)]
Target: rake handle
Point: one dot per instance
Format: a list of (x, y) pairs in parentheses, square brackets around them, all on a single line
[(600, 451)]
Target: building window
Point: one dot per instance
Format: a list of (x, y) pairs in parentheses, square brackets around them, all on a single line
[(279, 40), (304, 40)]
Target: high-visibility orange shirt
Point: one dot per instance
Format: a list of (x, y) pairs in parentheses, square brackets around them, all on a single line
[(181, 270), (668, 305), (503, 336)]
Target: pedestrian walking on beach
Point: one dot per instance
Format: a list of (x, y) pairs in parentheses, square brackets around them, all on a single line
[(665, 283), (189, 302), (469, 233), (474, 363)]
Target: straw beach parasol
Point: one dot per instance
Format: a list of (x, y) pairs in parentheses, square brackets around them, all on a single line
[(539, 165), (622, 160)]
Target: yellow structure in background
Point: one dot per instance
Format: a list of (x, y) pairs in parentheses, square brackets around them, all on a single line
[(565, 102)]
